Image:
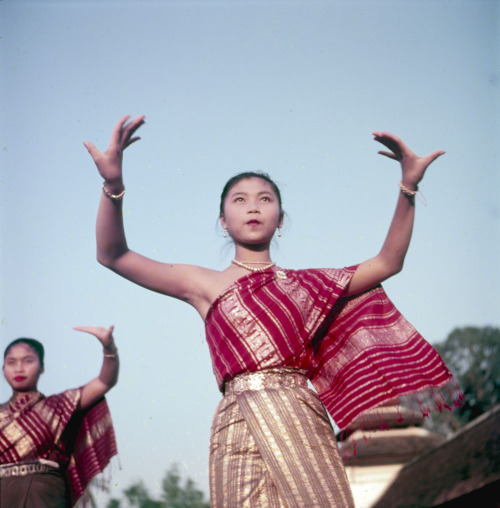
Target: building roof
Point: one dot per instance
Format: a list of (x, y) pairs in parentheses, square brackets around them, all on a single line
[(386, 435), (467, 462), (392, 446), (384, 417)]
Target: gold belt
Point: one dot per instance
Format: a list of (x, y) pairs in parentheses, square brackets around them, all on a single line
[(24, 469), (262, 379)]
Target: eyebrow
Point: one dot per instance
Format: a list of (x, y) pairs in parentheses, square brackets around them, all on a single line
[(29, 355), (237, 193)]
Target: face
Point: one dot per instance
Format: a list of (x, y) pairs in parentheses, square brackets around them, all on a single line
[(22, 368), (251, 212)]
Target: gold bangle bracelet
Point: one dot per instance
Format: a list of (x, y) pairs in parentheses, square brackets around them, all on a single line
[(407, 191), (111, 355), (114, 197)]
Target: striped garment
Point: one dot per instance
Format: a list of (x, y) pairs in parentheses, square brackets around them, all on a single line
[(272, 445), (358, 352), (38, 427)]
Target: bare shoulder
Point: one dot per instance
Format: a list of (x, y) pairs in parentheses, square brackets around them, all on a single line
[(212, 283)]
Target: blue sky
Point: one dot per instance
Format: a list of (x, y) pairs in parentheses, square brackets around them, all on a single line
[(293, 88)]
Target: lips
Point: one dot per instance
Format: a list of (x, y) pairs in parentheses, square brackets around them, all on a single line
[(253, 221), (19, 378)]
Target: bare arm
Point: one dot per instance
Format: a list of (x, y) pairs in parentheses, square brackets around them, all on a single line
[(390, 259), (108, 377), (111, 242), (179, 281)]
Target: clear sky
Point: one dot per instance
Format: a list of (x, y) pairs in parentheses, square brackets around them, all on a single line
[(294, 88)]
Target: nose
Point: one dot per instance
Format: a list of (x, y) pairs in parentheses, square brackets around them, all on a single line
[(254, 207)]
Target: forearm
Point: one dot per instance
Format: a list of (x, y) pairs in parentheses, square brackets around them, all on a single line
[(110, 366), (397, 241), (95, 389), (111, 242), (390, 259)]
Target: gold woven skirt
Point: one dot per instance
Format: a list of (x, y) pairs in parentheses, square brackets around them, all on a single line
[(272, 446)]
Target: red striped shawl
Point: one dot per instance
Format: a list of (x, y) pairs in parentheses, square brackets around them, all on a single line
[(51, 428), (359, 352)]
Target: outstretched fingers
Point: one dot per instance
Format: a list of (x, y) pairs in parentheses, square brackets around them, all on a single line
[(93, 151), (434, 155), (393, 143), (104, 335), (121, 136), (388, 154), (117, 133), (413, 166), (128, 130), (132, 140)]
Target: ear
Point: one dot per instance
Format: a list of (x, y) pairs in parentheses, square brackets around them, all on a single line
[(282, 217), (222, 221)]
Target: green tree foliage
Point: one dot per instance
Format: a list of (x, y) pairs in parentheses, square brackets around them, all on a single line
[(137, 495), (175, 494), (473, 355)]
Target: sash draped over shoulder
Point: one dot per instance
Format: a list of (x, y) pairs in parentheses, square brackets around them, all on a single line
[(38, 427), (359, 352)]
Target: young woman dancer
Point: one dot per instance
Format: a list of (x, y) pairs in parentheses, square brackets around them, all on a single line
[(270, 329), (51, 447)]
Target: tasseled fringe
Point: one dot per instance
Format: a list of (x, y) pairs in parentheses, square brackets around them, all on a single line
[(101, 482), (421, 404), (434, 399)]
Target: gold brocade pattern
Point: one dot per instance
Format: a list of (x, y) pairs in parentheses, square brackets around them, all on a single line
[(99, 429), (33, 411), (272, 446), (253, 333), (51, 428)]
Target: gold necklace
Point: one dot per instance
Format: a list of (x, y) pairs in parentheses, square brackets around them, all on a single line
[(252, 268)]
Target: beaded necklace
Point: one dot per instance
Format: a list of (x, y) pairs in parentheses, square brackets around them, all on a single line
[(253, 268)]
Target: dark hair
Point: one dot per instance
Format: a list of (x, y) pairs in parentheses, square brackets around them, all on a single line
[(242, 176), (32, 343)]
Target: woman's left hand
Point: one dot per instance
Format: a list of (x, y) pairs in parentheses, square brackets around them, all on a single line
[(413, 166), (103, 335)]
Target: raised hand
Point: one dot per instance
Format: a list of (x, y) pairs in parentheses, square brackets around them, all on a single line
[(413, 166), (103, 335), (109, 163), (95, 389)]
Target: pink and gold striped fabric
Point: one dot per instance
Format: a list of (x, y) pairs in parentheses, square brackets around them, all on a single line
[(272, 446), (359, 352), (51, 428)]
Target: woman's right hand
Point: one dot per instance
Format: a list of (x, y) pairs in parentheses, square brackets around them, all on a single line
[(103, 335), (109, 163), (94, 390)]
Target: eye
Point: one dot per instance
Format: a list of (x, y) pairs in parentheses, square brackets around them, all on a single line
[(239, 199), (266, 198)]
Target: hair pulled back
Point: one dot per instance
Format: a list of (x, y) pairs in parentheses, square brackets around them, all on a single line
[(32, 343), (245, 175)]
